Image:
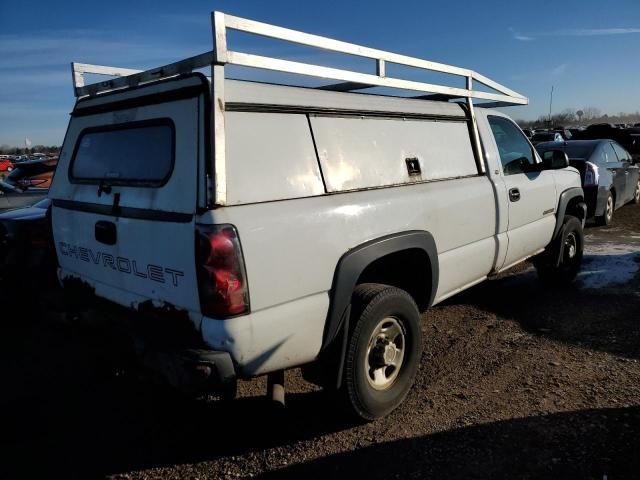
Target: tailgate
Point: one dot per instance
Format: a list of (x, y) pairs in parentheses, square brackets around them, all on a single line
[(129, 180)]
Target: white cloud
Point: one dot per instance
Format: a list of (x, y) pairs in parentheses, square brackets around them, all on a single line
[(558, 71), (575, 32), (62, 47), (590, 32), (549, 73)]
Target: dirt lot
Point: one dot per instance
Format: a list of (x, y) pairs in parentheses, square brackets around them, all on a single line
[(516, 382)]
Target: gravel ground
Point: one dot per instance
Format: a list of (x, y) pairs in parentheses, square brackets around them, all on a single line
[(516, 381)]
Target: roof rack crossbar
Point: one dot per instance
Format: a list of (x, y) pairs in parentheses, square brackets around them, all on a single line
[(129, 77), (221, 55)]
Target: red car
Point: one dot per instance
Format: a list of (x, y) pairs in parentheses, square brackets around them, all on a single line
[(5, 165)]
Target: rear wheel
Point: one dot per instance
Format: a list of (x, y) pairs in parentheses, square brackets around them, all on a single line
[(383, 351), (607, 215), (636, 193), (561, 262)]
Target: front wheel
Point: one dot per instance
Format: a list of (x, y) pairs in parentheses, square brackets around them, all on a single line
[(383, 351), (561, 262)]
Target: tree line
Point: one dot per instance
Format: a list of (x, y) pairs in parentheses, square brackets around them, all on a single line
[(575, 118), (9, 150)]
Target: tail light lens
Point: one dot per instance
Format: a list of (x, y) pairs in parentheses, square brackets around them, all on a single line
[(590, 174), (222, 280)]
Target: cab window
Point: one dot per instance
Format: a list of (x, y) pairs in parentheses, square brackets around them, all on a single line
[(516, 154)]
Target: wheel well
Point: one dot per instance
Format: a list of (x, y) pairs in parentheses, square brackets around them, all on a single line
[(574, 209), (409, 270)]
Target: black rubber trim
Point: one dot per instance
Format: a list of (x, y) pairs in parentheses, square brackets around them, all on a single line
[(336, 112), (124, 212), (354, 262), (208, 151), (566, 197), (142, 100)]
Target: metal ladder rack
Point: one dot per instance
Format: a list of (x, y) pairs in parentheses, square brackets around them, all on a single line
[(348, 80)]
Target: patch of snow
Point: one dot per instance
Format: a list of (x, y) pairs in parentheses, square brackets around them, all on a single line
[(609, 263)]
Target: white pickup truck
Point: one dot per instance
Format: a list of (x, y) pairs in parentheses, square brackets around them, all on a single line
[(306, 226)]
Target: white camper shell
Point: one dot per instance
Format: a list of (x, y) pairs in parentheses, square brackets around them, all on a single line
[(303, 226)]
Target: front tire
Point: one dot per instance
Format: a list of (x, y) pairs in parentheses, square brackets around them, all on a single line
[(383, 351), (561, 262)]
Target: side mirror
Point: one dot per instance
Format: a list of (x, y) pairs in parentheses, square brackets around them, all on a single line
[(555, 159)]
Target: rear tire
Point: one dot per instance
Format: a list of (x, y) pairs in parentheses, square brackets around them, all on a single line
[(383, 351), (569, 246), (636, 194), (607, 215)]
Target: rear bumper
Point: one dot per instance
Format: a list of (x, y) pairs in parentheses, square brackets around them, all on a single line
[(193, 371), (275, 338), (166, 340)]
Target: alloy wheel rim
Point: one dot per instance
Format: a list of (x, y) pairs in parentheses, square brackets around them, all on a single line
[(609, 208), (385, 353), (571, 246)]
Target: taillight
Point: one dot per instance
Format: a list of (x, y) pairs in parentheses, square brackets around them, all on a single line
[(590, 174), (222, 280)]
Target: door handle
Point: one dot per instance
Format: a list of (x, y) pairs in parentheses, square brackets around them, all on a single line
[(514, 194)]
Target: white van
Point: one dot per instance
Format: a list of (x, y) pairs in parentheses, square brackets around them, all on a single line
[(295, 226)]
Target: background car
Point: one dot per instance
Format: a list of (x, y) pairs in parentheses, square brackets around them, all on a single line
[(625, 137), (565, 132), (609, 178), (26, 246), (27, 184), (547, 137), (6, 165)]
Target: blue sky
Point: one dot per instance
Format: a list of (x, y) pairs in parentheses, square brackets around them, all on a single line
[(589, 49)]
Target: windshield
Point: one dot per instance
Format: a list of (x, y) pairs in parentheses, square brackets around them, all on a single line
[(139, 153)]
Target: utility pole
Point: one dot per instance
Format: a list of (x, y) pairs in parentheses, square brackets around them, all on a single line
[(550, 104)]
